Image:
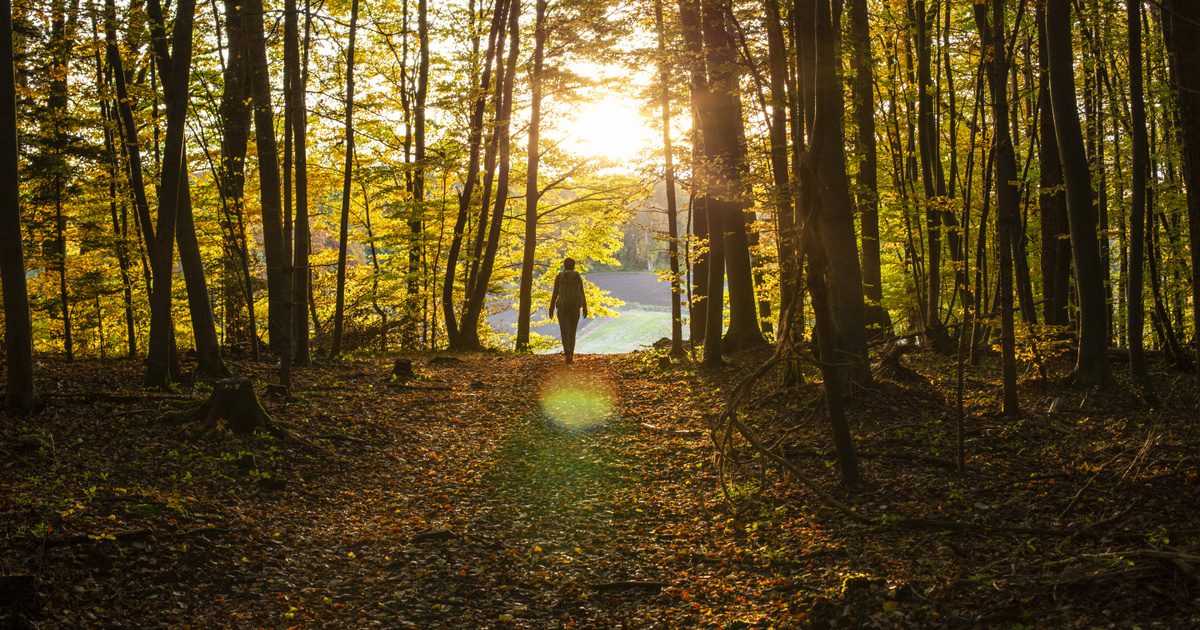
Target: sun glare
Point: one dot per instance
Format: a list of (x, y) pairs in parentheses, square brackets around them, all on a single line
[(609, 127), (576, 400)]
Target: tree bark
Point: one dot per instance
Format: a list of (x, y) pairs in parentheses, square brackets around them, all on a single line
[(525, 299), (175, 95), (1135, 318), (669, 181), (1091, 367), (20, 393), (1008, 217), (867, 182), (469, 330), (339, 310), (274, 239), (297, 73)]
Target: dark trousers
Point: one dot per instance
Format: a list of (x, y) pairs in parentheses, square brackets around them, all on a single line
[(568, 322)]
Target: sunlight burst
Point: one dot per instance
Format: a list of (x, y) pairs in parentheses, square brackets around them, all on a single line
[(610, 127), (576, 400)]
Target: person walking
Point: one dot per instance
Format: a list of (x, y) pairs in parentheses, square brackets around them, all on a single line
[(569, 299)]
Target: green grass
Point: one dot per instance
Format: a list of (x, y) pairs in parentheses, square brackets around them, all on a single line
[(636, 327)]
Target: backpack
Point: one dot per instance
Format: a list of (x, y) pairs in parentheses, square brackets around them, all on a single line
[(570, 291)]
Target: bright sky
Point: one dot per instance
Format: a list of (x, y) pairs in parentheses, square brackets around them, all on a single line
[(609, 127)]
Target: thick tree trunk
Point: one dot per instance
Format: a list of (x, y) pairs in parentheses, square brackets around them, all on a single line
[(721, 121), (835, 221), (1091, 366), (235, 129), (274, 239), (469, 329), (1056, 241), (689, 17), (175, 91), (20, 394), (1182, 18)]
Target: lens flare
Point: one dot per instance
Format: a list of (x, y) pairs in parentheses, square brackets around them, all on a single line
[(577, 400)]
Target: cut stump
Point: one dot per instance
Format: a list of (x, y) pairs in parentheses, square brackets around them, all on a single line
[(232, 401)]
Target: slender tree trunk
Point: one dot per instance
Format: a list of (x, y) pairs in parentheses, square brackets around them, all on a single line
[(57, 101), (297, 73), (1137, 209), (417, 224), (669, 181), (525, 299), (867, 182), (689, 17), (20, 394), (931, 177), (1091, 366), (339, 313), (1007, 196), (474, 141)]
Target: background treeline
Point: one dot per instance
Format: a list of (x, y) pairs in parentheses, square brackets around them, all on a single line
[(326, 176)]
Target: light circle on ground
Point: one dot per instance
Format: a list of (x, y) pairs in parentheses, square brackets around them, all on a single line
[(576, 400)]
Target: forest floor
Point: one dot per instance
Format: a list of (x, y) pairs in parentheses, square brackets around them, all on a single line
[(512, 491)]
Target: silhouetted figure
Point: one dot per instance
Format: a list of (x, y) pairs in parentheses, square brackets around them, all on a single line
[(568, 297)]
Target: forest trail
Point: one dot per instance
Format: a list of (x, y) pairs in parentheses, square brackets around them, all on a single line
[(499, 490), (458, 499)]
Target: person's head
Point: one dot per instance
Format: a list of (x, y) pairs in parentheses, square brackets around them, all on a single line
[(568, 263)]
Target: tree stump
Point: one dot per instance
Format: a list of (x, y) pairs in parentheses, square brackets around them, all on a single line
[(402, 370), (232, 401)]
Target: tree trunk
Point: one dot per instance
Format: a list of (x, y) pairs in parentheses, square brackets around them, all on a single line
[(474, 141), (1091, 366), (235, 129), (835, 220), (297, 73), (20, 394), (339, 311), (476, 300), (721, 121), (525, 300), (175, 95), (417, 224), (867, 182), (1056, 242), (1137, 210), (932, 178), (1182, 18), (669, 181), (274, 239), (1008, 218)]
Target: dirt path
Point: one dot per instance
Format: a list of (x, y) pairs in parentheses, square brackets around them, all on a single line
[(465, 507), (509, 491)]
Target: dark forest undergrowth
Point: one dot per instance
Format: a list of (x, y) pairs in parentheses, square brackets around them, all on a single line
[(457, 499)]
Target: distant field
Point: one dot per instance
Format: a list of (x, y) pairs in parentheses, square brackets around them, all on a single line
[(643, 319)]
